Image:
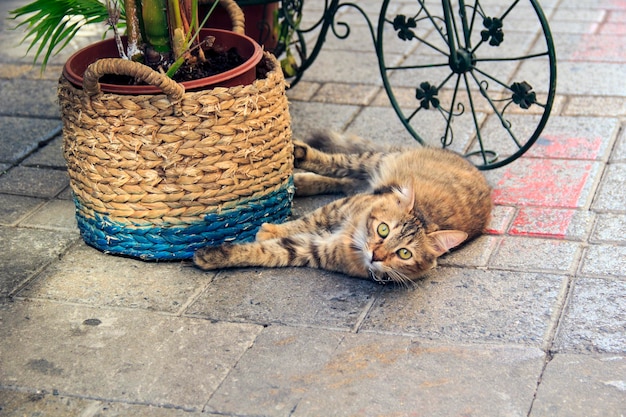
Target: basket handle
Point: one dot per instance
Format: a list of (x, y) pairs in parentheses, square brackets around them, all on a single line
[(119, 66), (235, 13)]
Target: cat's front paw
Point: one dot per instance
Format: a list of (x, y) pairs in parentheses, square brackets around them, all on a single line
[(267, 231), (300, 150), (212, 257)]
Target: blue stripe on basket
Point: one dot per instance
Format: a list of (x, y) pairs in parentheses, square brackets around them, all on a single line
[(239, 224)]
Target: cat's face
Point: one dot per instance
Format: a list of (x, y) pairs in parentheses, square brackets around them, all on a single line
[(395, 247)]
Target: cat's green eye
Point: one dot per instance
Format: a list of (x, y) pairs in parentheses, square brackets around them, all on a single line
[(382, 230), (404, 253)]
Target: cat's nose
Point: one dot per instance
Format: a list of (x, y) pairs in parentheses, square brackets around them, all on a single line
[(377, 255)]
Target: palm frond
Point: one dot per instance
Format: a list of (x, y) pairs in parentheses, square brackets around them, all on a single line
[(52, 24)]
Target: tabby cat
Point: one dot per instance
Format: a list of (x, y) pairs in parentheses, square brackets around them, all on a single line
[(421, 203)]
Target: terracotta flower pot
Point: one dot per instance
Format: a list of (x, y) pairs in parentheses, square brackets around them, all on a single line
[(244, 74), (259, 21)]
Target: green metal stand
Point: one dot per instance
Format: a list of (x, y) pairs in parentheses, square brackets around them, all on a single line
[(487, 70)]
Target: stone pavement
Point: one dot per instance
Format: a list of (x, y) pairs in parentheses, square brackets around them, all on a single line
[(528, 320)]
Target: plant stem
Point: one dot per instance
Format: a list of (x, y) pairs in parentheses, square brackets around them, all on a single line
[(132, 30), (154, 14)]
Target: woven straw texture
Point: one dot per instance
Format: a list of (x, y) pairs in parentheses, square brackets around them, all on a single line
[(157, 176)]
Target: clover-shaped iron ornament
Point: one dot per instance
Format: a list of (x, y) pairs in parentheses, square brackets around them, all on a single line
[(523, 95), (493, 31), (403, 26), (427, 95)]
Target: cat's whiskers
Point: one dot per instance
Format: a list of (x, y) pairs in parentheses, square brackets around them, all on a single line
[(397, 277)]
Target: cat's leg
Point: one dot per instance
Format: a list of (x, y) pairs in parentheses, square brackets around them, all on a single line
[(316, 221), (324, 219), (308, 183), (315, 251), (336, 165)]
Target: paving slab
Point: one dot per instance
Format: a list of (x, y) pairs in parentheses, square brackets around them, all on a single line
[(66, 194), (360, 39), (14, 207), (553, 223), (573, 27), (595, 106), (583, 138), (611, 195), (372, 122), (575, 14), (88, 276), (304, 205), (368, 125), (534, 254), (24, 97), (312, 117), (29, 71), (55, 214), (588, 138), (24, 252), (574, 78), (294, 296), (357, 94), (338, 66), (114, 409), (609, 228), (34, 182), (595, 319), (595, 48), (471, 306), (472, 254), (501, 218), (373, 375), (119, 355), (50, 156), (619, 152), (605, 260), (555, 183), (274, 374), (16, 403), (582, 385), (20, 136), (303, 91)]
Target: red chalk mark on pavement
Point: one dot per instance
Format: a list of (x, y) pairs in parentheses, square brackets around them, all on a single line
[(501, 217), (600, 48), (542, 182), (544, 222), (562, 146), (617, 4), (612, 29)]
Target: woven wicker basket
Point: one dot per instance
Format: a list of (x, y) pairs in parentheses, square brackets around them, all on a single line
[(158, 176)]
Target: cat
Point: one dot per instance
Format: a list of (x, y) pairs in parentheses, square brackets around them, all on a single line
[(421, 203)]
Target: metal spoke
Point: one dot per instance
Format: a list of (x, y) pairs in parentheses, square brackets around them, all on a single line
[(444, 141), (517, 58), (401, 67), (505, 123), (476, 124)]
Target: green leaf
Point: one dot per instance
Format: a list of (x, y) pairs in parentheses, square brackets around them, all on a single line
[(51, 24)]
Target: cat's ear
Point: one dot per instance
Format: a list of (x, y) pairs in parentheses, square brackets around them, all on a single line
[(444, 240), (406, 197)]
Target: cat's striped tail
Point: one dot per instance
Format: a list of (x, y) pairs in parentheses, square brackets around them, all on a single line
[(335, 142)]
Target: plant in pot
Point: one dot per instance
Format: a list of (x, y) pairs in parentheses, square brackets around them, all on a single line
[(160, 167)]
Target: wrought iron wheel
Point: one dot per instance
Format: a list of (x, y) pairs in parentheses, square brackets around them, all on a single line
[(478, 77)]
